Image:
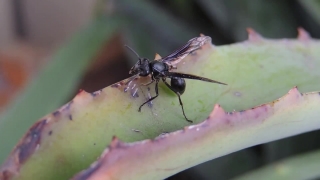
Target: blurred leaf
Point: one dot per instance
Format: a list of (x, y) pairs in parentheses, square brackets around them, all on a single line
[(183, 7), (229, 166), (313, 8), (270, 18), (156, 21), (304, 166), (309, 16), (291, 146), (55, 83), (151, 29), (142, 43)]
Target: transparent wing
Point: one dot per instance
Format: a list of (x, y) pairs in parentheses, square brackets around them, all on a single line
[(192, 45), (191, 76)]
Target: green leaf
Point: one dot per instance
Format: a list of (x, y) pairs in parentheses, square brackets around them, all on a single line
[(55, 83), (256, 71), (220, 134)]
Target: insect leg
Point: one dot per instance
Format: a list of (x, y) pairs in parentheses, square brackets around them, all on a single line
[(157, 93), (178, 94), (131, 79), (146, 84)]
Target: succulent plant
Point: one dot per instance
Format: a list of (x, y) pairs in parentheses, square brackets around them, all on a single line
[(272, 93)]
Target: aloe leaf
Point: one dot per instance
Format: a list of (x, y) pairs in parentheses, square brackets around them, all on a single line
[(257, 71), (220, 134), (54, 84), (305, 166)]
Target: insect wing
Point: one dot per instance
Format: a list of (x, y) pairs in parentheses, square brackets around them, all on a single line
[(191, 76), (192, 45)]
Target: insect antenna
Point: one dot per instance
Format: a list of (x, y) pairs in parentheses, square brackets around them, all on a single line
[(132, 51)]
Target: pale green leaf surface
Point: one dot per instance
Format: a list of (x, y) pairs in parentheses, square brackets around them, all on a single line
[(221, 134)]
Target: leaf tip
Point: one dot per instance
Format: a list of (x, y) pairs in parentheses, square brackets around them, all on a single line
[(295, 91), (157, 56), (253, 35), (115, 142), (80, 91), (303, 35), (81, 94), (294, 96), (217, 111)]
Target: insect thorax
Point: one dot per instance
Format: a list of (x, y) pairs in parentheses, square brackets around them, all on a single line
[(158, 68)]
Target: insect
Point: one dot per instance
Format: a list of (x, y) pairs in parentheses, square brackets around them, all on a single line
[(160, 69)]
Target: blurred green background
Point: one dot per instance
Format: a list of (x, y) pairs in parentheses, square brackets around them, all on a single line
[(50, 50)]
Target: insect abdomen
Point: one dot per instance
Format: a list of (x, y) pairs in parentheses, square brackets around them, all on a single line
[(178, 85)]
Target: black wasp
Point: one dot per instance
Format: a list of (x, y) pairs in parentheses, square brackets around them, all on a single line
[(159, 69)]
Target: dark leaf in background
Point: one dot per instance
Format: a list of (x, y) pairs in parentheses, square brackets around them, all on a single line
[(308, 14), (273, 19)]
